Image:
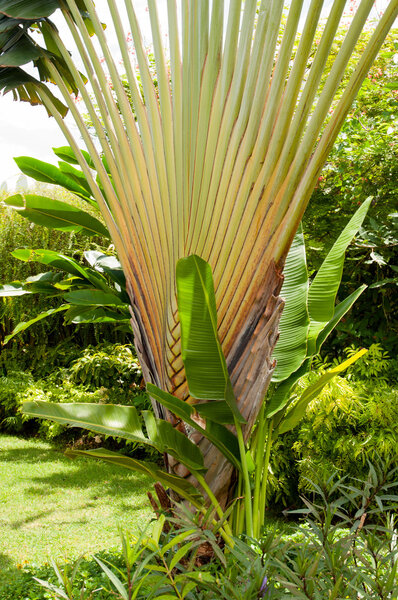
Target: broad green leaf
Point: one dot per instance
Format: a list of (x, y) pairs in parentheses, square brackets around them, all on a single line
[(169, 440), (204, 361), (323, 289), (88, 314), (44, 283), (219, 435), (55, 214), (179, 485), (108, 419), (25, 324), (25, 88), (124, 422), (291, 348), (66, 153), (340, 310), (104, 263), (42, 171), (75, 174), (20, 54), (280, 397), (28, 9), (296, 413), (16, 288), (217, 411), (7, 23), (90, 297), (60, 261)]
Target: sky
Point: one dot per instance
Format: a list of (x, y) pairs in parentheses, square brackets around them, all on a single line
[(28, 131)]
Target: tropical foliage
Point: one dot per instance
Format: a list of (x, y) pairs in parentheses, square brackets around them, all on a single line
[(208, 377), (216, 163), (363, 163), (336, 550)]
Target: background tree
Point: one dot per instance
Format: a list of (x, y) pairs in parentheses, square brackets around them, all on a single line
[(363, 163)]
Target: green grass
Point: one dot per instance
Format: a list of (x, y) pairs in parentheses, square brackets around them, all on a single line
[(53, 506)]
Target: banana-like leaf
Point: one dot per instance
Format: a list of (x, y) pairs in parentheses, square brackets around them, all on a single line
[(65, 263), (219, 435), (15, 288), (296, 413), (44, 283), (18, 47), (340, 310), (20, 54), (107, 419), (26, 88), (291, 348), (124, 422), (179, 485), (26, 324), (66, 153), (281, 395), (169, 440), (323, 289), (75, 174), (28, 9), (47, 173), (205, 366), (55, 214), (104, 263), (88, 314), (217, 411), (92, 297)]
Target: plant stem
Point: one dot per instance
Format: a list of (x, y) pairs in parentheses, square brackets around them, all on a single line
[(225, 530), (246, 481), (265, 473), (259, 460), (236, 513)]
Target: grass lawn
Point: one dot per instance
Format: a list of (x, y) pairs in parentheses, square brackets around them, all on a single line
[(53, 506)]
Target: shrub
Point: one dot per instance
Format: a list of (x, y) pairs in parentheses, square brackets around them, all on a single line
[(18, 387), (106, 373), (335, 552), (18, 232), (107, 365), (354, 420)]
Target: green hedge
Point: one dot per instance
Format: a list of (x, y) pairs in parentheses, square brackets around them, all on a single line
[(352, 422), (105, 373)]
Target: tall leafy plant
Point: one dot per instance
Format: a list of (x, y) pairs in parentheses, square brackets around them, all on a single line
[(214, 405), (218, 160)]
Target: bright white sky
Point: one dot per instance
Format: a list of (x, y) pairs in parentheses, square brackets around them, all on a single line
[(28, 131)]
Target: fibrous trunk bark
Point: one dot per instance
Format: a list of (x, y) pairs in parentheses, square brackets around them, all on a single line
[(250, 364)]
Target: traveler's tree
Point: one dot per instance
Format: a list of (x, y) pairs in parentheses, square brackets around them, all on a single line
[(216, 158)]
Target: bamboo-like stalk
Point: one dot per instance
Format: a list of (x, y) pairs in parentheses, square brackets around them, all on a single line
[(264, 483), (246, 481)]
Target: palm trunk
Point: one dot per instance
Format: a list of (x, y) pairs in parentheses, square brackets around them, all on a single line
[(249, 360)]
